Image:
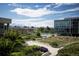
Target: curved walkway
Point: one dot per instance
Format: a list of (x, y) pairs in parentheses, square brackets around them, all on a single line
[(52, 50)]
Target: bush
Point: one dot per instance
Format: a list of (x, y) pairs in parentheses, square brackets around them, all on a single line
[(38, 34), (30, 37), (28, 51), (32, 51), (5, 47), (11, 42), (54, 44), (69, 50), (35, 53), (17, 54)]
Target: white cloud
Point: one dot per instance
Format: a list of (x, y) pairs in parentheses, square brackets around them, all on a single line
[(57, 5), (60, 4), (68, 10), (31, 12), (47, 6), (40, 12), (15, 5), (64, 11), (33, 22)]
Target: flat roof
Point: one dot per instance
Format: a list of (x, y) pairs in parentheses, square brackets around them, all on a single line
[(5, 20), (69, 18)]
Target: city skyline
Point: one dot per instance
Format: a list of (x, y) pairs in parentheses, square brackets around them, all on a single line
[(38, 14)]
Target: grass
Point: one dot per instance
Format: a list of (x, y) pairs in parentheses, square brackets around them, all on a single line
[(70, 50), (60, 41), (70, 45), (54, 44)]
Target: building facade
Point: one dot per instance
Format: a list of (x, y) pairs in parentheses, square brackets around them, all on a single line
[(67, 26), (4, 25)]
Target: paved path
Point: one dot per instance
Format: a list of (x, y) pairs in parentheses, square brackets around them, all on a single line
[(52, 50)]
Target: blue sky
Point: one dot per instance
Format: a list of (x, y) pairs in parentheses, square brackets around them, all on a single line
[(38, 14)]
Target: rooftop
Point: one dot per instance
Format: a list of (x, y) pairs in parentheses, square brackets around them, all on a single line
[(5, 20), (69, 18)]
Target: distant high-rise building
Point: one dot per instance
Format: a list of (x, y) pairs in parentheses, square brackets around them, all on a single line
[(4, 24), (67, 26)]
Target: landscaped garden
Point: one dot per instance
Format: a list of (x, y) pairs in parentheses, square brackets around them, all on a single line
[(70, 45), (12, 44), (60, 41), (70, 50)]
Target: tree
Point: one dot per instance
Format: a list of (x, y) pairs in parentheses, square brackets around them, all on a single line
[(11, 42), (41, 29), (48, 28), (38, 34)]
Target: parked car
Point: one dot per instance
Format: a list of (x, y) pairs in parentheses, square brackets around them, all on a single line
[(43, 49)]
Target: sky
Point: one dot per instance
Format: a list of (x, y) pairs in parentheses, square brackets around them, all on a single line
[(38, 14)]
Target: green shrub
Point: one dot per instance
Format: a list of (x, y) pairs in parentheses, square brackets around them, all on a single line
[(32, 51), (11, 42), (17, 54), (5, 47), (69, 50), (36, 53), (54, 44), (38, 34)]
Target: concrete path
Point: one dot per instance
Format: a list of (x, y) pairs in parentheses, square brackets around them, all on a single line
[(52, 50)]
